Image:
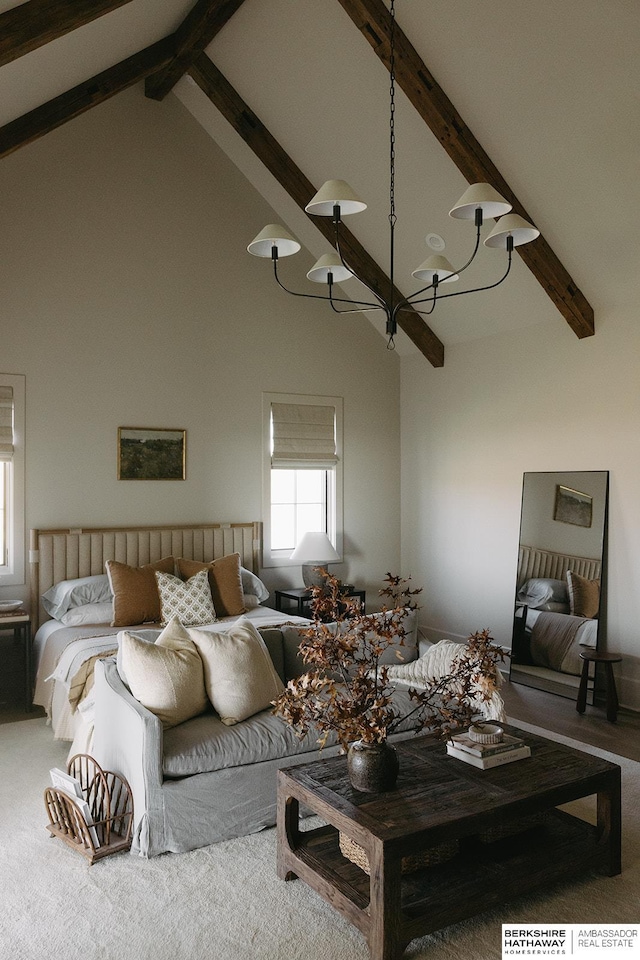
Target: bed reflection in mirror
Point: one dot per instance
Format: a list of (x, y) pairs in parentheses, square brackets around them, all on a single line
[(561, 577)]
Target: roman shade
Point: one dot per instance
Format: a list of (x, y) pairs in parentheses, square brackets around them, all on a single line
[(303, 435), (6, 423)]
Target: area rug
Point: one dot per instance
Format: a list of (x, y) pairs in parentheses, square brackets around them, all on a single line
[(225, 902)]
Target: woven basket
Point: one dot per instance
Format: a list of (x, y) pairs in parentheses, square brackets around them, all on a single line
[(427, 858), (513, 828)]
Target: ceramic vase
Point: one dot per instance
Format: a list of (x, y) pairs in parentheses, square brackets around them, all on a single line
[(372, 767)]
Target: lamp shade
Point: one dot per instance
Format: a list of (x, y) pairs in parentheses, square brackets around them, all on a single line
[(314, 550), (483, 197), (329, 263), (273, 235), (514, 226), (315, 547), (332, 192), (433, 265)]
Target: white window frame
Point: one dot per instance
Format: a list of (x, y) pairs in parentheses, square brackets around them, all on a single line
[(280, 558), (13, 572)]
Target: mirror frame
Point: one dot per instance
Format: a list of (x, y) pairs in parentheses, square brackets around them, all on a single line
[(543, 678)]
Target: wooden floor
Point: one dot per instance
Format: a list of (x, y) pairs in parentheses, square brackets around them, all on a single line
[(551, 712)]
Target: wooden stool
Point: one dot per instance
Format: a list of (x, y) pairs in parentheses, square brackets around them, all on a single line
[(607, 660)]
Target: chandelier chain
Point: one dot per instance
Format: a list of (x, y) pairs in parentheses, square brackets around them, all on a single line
[(392, 117)]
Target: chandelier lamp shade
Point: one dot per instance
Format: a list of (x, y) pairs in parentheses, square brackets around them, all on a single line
[(336, 199)]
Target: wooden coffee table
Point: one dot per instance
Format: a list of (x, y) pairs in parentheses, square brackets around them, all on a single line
[(440, 800)]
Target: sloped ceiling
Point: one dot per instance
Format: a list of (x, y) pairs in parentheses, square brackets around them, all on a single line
[(550, 90)]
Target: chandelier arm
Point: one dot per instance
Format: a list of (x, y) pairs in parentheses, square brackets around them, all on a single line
[(409, 301), (381, 303), (363, 308), (460, 293)]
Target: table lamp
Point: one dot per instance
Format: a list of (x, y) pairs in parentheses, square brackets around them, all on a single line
[(314, 550)]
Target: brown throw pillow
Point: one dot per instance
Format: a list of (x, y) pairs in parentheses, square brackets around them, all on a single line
[(135, 591), (224, 579), (584, 595)]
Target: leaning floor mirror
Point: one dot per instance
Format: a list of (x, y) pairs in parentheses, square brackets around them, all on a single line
[(560, 606)]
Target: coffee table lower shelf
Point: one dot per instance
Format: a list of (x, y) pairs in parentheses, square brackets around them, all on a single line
[(481, 876)]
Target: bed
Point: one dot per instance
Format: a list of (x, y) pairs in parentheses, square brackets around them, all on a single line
[(74, 625), (557, 612)]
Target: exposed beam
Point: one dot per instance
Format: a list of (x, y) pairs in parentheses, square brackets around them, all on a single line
[(27, 27), (193, 36), (288, 174), (88, 94), (373, 20)]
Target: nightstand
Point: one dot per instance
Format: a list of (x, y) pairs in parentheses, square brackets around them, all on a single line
[(301, 597), (19, 622)]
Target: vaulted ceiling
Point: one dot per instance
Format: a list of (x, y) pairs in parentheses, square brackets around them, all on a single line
[(542, 100)]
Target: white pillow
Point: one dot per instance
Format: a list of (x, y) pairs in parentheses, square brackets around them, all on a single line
[(88, 613), (239, 675), (253, 585), (190, 601), (539, 591), (166, 676), (66, 594)]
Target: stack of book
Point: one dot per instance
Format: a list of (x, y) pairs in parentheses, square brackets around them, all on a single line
[(485, 755), (19, 614)]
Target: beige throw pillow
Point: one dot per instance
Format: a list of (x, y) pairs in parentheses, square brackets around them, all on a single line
[(584, 595), (225, 581), (239, 675), (166, 676), (190, 602), (135, 591)]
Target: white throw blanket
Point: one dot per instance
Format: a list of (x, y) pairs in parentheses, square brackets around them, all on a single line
[(437, 662)]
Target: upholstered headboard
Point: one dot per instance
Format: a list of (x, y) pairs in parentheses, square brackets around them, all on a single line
[(533, 562), (82, 552)]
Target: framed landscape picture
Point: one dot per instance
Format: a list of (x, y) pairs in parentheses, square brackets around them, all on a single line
[(573, 506), (147, 454)]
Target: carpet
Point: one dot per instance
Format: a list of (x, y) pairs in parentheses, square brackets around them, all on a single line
[(225, 902)]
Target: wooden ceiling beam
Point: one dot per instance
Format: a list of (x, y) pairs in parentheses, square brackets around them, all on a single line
[(193, 36), (88, 94), (218, 89), (373, 20), (30, 25)]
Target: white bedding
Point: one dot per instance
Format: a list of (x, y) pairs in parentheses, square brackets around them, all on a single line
[(60, 651), (586, 636), (559, 651)]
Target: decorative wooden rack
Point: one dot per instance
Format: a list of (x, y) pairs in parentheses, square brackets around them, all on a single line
[(110, 803)]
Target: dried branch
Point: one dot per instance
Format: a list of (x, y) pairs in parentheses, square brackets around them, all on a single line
[(347, 691)]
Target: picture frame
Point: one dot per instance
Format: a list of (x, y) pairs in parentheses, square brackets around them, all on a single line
[(146, 453), (572, 506)]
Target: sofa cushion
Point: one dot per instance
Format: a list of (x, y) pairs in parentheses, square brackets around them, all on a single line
[(272, 636), (167, 676), (239, 675), (205, 744), (398, 652)]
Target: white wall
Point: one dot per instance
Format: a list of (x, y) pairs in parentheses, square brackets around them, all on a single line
[(128, 299), (540, 400)]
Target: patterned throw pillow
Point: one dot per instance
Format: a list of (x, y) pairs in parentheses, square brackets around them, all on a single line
[(190, 602)]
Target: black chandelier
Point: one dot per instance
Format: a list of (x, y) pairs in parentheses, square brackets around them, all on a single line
[(337, 199)]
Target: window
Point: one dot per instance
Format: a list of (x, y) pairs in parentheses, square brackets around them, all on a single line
[(12, 415), (302, 476)]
